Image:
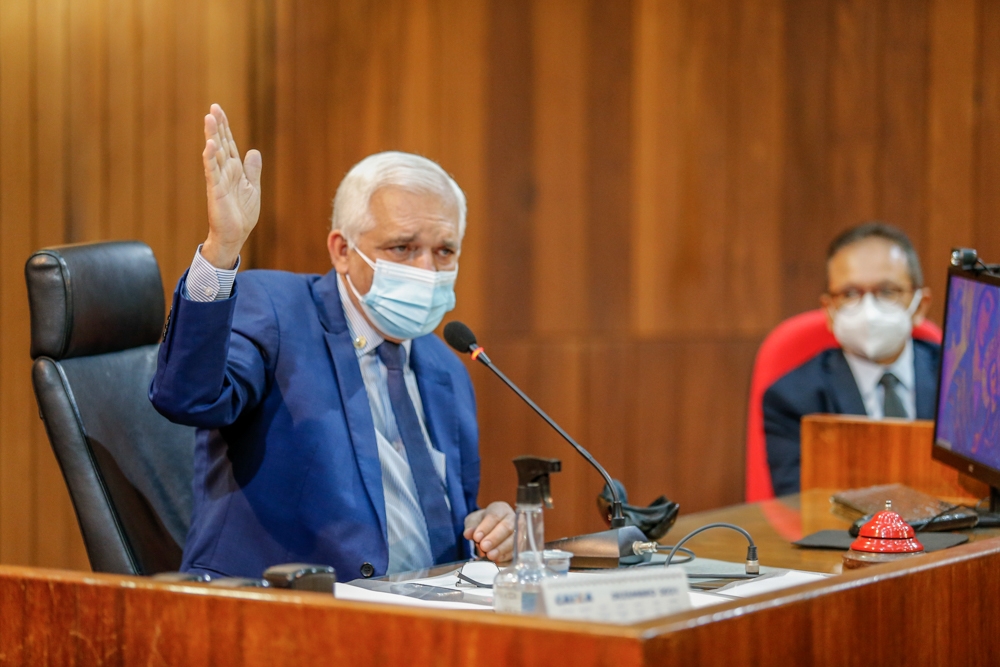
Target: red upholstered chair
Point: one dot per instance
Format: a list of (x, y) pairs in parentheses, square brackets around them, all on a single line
[(792, 343)]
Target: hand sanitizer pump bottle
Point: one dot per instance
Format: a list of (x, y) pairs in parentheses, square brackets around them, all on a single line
[(517, 589)]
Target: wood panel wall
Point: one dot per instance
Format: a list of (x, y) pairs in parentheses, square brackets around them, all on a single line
[(652, 185), (102, 105)]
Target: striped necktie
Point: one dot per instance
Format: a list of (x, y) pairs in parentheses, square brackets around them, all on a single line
[(430, 488)]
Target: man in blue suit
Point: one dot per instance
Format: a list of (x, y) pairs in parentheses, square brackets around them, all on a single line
[(334, 427), (875, 296)]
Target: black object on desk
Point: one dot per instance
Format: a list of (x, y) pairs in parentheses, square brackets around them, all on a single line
[(841, 539)]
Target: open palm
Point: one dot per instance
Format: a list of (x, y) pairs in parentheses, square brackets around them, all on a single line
[(233, 189)]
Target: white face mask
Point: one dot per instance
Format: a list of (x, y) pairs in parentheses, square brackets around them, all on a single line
[(874, 331)]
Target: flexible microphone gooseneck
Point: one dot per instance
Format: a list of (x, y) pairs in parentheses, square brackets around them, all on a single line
[(460, 337)]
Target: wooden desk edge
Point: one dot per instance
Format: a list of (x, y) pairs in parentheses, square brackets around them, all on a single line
[(833, 585), (305, 599), (642, 631)]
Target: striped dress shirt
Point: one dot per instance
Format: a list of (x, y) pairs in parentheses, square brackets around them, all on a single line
[(409, 544)]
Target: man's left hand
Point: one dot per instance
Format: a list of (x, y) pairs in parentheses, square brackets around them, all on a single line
[(492, 529)]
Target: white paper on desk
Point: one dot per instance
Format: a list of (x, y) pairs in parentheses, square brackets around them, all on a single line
[(699, 600), (770, 583), (356, 594)]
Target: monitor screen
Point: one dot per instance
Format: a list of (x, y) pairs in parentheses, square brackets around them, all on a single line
[(967, 429)]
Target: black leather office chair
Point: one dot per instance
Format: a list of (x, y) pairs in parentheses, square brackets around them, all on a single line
[(96, 318)]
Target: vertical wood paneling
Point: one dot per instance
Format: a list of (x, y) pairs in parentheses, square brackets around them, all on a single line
[(559, 305), (951, 115), (157, 208), (57, 540), (122, 120), (512, 190), (753, 246), (462, 149), (17, 169), (656, 139), (609, 127), (88, 122), (191, 55), (807, 225), (652, 186), (854, 141), (987, 195), (902, 179), (91, 148)]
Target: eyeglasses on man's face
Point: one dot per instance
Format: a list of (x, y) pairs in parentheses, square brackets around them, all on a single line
[(886, 294)]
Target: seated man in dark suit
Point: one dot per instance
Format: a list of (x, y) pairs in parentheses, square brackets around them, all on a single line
[(875, 296), (334, 427)]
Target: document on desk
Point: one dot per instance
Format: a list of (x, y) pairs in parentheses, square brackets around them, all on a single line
[(775, 581), (358, 594), (446, 591)]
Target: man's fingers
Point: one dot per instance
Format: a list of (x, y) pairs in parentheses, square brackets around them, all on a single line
[(212, 171), (501, 532), (485, 527), (504, 552), (233, 150), (219, 132), (471, 521), (227, 134), (211, 127), (497, 525), (252, 165)]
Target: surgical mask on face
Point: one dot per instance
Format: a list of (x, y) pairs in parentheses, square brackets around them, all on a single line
[(874, 331), (406, 302)]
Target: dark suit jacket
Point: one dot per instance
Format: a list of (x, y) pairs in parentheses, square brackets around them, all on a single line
[(825, 384), (286, 464)]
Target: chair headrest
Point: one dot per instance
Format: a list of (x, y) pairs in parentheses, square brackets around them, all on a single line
[(93, 298)]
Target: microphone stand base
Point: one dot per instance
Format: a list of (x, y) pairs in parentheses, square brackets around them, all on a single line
[(607, 549)]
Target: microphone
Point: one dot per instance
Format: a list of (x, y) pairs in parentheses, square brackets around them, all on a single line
[(461, 338)]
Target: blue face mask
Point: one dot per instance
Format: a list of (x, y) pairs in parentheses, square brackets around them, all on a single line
[(406, 302)]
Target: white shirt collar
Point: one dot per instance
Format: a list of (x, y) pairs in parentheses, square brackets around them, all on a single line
[(867, 373), (364, 336)]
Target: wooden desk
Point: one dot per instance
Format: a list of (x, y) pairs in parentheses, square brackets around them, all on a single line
[(942, 605), (849, 452)]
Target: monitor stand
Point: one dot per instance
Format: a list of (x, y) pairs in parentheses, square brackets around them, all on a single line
[(990, 517)]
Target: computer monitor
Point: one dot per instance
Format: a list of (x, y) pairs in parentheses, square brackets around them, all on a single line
[(967, 424)]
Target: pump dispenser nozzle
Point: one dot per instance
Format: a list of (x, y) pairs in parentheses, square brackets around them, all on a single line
[(533, 479)]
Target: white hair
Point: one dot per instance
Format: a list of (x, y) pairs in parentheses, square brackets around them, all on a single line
[(351, 206)]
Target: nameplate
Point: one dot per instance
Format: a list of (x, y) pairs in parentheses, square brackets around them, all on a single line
[(627, 596)]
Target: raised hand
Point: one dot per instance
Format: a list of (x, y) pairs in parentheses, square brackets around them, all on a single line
[(233, 191)]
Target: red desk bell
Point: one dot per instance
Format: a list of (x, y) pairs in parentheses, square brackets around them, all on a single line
[(883, 539)]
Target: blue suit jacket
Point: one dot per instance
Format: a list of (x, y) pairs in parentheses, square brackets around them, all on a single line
[(825, 384), (286, 464)]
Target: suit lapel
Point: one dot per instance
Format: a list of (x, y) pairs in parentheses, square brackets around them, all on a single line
[(925, 363), (844, 390), (438, 397), (357, 409)]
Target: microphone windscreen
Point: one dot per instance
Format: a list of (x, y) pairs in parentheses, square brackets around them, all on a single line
[(459, 336)]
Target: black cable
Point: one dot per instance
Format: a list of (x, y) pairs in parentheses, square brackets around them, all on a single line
[(992, 269), (684, 550), (751, 550), (937, 516)]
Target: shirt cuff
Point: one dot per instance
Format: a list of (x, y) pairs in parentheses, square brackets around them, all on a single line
[(208, 283)]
